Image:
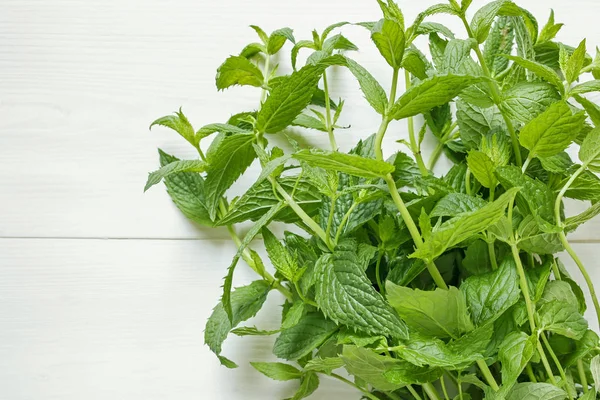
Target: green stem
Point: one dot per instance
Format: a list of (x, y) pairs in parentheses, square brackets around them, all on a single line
[(303, 298), (302, 214), (546, 364), (343, 222), (556, 271), (582, 376), (416, 147), (378, 273), (443, 382), (561, 371), (435, 155), (567, 245), (393, 396), (494, 91), (524, 287), (586, 276), (524, 169), (487, 374), (492, 251), (414, 392), (431, 391), (530, 373), (365, 392), (468, 181), (263, 94), (332, 141), (330, 218)]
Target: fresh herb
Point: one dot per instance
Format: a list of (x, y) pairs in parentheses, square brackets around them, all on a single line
[(419, 286)]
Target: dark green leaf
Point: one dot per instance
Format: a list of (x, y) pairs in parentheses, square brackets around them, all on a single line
[(369, 366), (309, 333), (515, 352), (563, 319), (536, 391)]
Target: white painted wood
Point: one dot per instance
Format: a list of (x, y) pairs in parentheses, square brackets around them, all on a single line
[(123, 319), (80, 81)]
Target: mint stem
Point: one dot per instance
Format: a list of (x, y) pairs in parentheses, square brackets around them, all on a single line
[(332, 142)]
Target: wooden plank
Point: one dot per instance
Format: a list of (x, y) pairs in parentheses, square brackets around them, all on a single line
[(97, 319), (82, 81)]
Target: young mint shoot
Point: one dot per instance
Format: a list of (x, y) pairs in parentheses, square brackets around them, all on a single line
[(408, 285)]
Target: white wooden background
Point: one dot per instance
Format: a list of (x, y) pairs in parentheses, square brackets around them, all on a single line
[(104, 291)]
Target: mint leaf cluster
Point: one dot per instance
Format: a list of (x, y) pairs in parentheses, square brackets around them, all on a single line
[(404, 284)]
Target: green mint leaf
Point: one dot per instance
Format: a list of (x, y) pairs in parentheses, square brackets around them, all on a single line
[(476, 122), (536, 391), (589, 152), (347, 163), (433, 27), (439, 313), (309, 333), (533, 195), (228, 283), (261, 34), (550, 30), (331, 28), (559, 291), (308, 384), (595, 370), (306, 121), (208, 130), (558, 164), (483, 168), (534, 240), (585, 187), (252, 50), (541, 70), (457, 56), (477, 258), (324, 365), (463, 227), (515, 352), (431, 93), (180, 124), (174, 167), (391, 11), (246, 301), (583, 347), (499, 42), (278, 39), (237, 70), (338, 42), (563, 319), (345, 295), (574, 222), (226, 163), (415, 63), (388, 36), (586, 87), (282, 260), (187, 192), (490, 295), (293, 315), (372, 90), (288, 99), (483, 19), (575, 63), (252, 331), (404, 373), (552, 131), (525, 101), (260, 198), (302, 44), (369, 366), (277, 371)]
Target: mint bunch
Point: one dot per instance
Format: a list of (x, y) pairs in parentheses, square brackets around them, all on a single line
[(413, 285)]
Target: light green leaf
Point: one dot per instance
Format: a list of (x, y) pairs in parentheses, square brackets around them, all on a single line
[(347, 163), (575, 63), (490, 295), (563, 319), (573, 223), (586, 186), (589, 152), (483, 19), (287, 100), (369, 366), (261, 34), (306, 121), (281, 259), (302, 44), (252, 331), (293, 315), (558, 291), (187, 192), (482, 168), (515, 352), (308, 384), (558, 164), (346, 295), (477, 122), (456, 54), (527, 100), (388, 36), (461, 228), (439, 313), (277, 371), (500, 41), (456, 204), (595, 370), (174, 167), (228, 283), (252, 50), (324, 365), (278, 39), (431, 93), (552, 131), (550, 30), (534, 240), (226, 163), (309, 333), (208, 130), (238, 70), (541, 70), (246, 301), (586, 87), (536, 391), (405, 373), (372, 90), (180, 124), (534, 195)]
